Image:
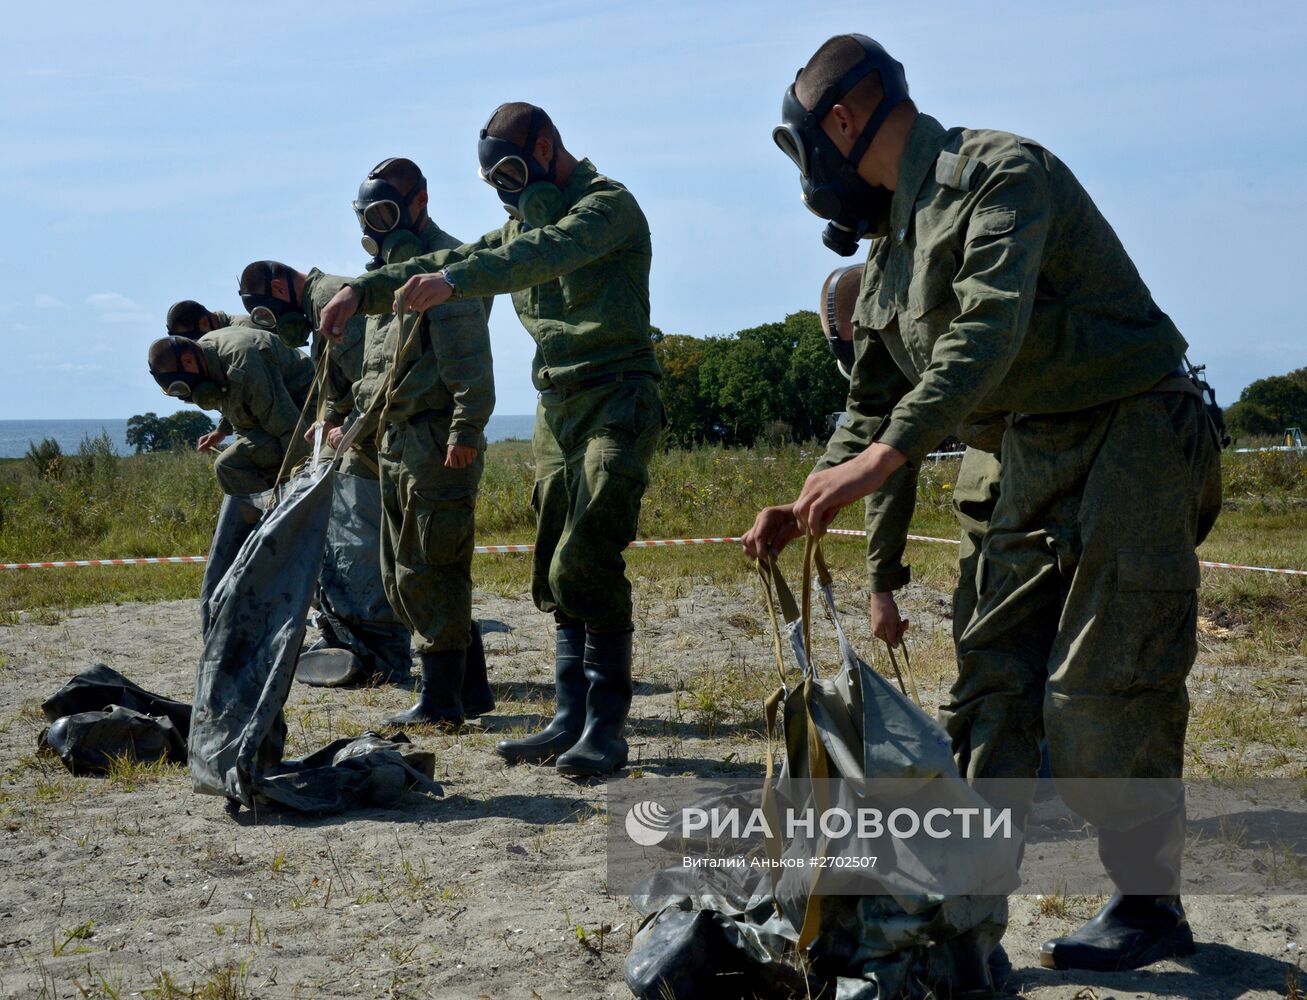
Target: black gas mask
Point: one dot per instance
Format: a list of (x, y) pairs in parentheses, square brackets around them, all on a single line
[(175, 381), (184, 320), (529, 191), (284, 318), (831, 186), (385, 216)]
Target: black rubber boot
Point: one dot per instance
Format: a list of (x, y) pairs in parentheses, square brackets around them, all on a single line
[(478, 698), (1128, 933), (569, 713), (602, 748), (440, 700), (1000, 967)]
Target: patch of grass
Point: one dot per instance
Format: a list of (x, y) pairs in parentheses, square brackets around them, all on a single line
[(127, 774), (228, 982), (166, 504), (71, 938)]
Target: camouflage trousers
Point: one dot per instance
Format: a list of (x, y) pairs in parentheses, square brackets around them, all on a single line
[(974, 496), (1085, 624), (592, 452), (250, 463), (427, 532)]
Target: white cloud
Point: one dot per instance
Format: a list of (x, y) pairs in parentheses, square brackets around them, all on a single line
[(44, 301), (113, 307)]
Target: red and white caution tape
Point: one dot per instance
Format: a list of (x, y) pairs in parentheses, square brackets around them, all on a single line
[(1202, 562), (642, 543), (142, 561), (639, 543), (911, 538), (1255, 569)]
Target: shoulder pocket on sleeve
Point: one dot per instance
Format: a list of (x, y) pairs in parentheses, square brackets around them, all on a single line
[(993, 221)]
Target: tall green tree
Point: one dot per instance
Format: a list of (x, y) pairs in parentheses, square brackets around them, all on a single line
[(1270, 405), (817, 389), (689, 410), (150, 432), (186, 427), (147, 432)]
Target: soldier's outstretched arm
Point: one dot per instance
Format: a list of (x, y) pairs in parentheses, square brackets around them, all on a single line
[(594, 227), (373, 293)]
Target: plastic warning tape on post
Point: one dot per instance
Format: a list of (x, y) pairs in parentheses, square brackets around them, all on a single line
[(641, 543)]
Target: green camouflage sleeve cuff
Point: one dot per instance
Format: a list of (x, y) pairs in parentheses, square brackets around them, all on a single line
[(909, 440), (884, 578), (469, 437)]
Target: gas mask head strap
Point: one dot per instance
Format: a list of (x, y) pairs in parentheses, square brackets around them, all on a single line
[(874, 60)]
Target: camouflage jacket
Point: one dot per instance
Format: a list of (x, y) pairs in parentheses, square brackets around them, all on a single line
[(1000, 290), (264, 382), (447, 364), (345, 360), (579, 286)]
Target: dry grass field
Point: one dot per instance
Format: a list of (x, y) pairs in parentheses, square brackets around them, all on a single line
[(130, 885)]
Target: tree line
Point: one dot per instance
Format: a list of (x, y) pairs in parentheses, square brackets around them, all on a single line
[(776, 382), (183, 429), (1270, 406)]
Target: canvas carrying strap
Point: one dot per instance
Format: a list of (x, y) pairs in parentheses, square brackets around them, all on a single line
[(409, 335), (317, 395), (386, 394), (775, 592), (826, 582)]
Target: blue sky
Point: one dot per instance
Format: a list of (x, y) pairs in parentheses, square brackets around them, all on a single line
[(150, 150)]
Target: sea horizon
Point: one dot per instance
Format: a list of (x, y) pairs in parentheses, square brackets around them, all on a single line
[(17, 435)]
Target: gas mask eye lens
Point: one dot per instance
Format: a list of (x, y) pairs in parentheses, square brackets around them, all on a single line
[(791, 145), (508, 175), (380, 216), (264, 317), (179, 390)]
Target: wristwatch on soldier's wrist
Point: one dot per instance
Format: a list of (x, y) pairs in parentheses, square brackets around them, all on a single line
[(444, 273)]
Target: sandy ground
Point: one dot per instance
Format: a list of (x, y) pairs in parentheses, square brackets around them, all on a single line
[(129, 887)]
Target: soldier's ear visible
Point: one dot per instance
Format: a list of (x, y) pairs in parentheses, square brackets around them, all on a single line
[(544, 151), (845, 122)]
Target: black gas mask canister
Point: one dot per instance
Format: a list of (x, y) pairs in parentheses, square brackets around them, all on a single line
[(832, 189), (386, 217), (528, 190)]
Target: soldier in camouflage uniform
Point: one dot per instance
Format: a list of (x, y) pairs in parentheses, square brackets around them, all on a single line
[(361, 636), (287, 302), (256, 382), (427, 398), (192, 320), (889, 510), (189, 318), (999, 288), (575, 258)]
